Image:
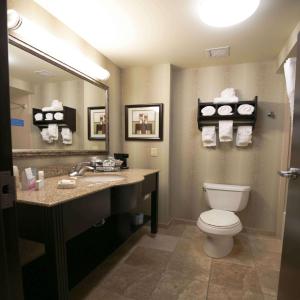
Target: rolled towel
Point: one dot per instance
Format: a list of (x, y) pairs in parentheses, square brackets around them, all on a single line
[(225, 131), (53, 131), (38, 117), (66, 134), (228, 93), (58, 116), (209, 136), (244, 136), (45, 136), (208, 110), (233, 99), (225, 110), (246, 109), (49, 117)]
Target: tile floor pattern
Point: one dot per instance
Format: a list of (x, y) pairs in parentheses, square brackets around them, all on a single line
[(172, 265)]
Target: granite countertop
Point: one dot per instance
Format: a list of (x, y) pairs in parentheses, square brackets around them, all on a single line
[(50, 195)]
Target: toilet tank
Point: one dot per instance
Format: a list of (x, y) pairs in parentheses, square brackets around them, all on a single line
[(227, 197)]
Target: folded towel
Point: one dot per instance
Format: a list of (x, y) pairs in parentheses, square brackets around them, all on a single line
[(225, 110), (209, 136), (208, 110), (58, 116), (228, 93), (245, 109), (233, 99), (53, 131), (56, 105), (38, 117), (49, 117), (66, 134), (45, 136), (225, 131), (244, 136)]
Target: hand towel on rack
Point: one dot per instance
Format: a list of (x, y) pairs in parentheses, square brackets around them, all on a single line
[(66, 134), (227, 93), (227, 96), (208, 110), (58, 116), (246, 109), (49, 117), (53, 131), (225, 131), (243, 136), (209, 136), (56, 105), (38, 117), (45, 136), (225, 110)]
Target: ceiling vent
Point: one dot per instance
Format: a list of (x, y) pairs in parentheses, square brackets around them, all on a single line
[(218, 52)]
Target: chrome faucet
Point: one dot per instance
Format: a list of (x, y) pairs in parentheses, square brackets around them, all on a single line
[(81, 168)]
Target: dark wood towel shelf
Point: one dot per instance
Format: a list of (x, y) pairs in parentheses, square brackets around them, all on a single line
[(236, 117)]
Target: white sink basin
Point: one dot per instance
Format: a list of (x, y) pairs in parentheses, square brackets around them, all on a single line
[(102, 178)]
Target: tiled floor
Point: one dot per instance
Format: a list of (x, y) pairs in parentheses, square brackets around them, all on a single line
[(172, 265)]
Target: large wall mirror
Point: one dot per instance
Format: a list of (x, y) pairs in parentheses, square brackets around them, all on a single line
[(54, 110)]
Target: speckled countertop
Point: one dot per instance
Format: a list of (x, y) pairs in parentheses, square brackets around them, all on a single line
[(51, 195)]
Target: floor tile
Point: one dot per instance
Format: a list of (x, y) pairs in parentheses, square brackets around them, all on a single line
[(176, 285), (268, 279), (159, 241), (219, 292), (235, 276), (267, 259), (266, 245), (133, 282), (174, 229), (191, 247), (192, 232), (151, 259)]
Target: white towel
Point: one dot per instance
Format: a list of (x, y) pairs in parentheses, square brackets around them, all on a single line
[(45, 136), (228, 93), (53, 131), (49, 117), (208, 110), (225, 110), (209, 136), (290, 79), (233, 99), (38, 117), (245, 109), (56, 105), (244, 136), (58, 116), (66, 134), (225, 131)]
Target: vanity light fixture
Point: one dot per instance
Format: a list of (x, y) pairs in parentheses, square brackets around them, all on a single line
[(225, 13), (14, 20), (41, 39)]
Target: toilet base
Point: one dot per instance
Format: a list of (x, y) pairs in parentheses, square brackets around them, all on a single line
[(218, 246)]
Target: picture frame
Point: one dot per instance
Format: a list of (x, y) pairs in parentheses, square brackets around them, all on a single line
[(97, 123), (144, 122)]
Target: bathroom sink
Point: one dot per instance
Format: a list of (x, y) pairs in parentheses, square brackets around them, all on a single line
[(102, 178)]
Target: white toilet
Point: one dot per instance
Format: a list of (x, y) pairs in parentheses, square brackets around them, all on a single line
[(221, 223)]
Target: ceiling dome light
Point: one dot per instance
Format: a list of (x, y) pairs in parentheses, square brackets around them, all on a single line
[(224, 13)]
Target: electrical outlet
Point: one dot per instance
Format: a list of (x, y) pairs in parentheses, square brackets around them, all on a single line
[(154, 152)]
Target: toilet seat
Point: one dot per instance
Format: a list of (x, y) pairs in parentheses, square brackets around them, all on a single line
[(219, 222)]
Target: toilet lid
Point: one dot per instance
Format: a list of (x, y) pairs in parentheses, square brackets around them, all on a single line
[(219, 218)]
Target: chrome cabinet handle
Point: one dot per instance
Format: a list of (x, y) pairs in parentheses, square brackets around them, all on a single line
[(292, 173)]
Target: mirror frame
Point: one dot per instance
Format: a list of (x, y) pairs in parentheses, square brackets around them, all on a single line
[(19, 153)]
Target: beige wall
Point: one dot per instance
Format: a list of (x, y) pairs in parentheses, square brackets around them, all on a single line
[(35, 13), (257, 165), (142, 86)]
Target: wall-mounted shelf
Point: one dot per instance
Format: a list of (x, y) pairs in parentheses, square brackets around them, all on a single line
[(69, 119), (236, 117)]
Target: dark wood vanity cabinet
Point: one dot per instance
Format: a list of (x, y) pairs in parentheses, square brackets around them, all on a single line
[(96, 219)]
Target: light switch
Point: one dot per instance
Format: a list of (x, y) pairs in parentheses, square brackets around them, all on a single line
[(154, 152)]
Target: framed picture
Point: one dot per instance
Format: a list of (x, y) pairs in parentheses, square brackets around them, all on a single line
[(96, 123), (144, 122)]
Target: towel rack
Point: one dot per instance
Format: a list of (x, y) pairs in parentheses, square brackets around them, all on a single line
[(69, 119), (238, 119)]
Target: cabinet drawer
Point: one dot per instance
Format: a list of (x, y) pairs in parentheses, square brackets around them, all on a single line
[(81, 214), (149, 184)]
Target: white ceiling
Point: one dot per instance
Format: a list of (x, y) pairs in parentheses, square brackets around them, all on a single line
[(146, 32)]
